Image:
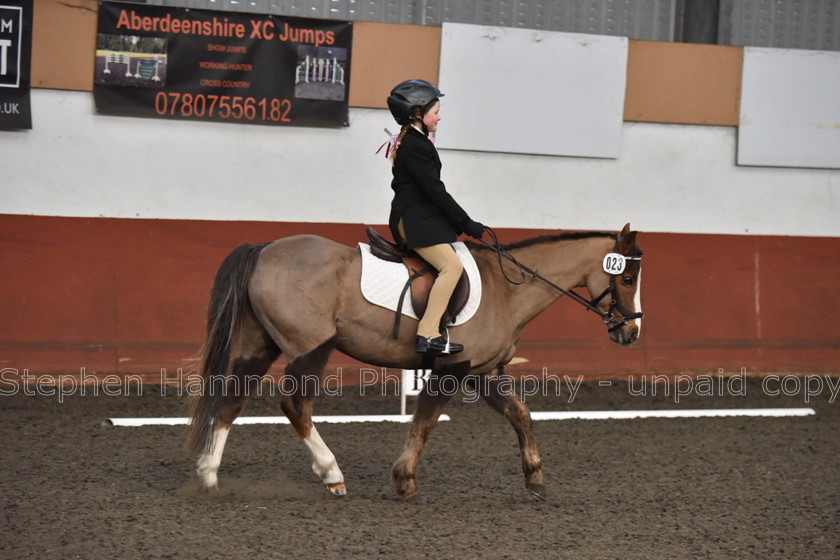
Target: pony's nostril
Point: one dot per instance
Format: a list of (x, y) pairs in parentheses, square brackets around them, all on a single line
[(633, 336)]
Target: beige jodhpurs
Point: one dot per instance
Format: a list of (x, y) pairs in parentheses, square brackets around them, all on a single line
[(445, 260)]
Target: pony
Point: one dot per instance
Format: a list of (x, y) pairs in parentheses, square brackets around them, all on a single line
[(300, 296)]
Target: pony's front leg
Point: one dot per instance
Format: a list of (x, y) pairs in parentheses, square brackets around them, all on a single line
[(430, 404), (504, 400)]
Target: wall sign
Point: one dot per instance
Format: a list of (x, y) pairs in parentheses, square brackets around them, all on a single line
[(154, 61), (15, 56)]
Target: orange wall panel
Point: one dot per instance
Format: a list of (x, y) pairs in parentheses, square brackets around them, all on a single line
[(683, 83), (386, 54), (63, 44)]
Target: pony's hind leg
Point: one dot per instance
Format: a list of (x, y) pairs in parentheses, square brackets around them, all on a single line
[(301, 383), (503, 398), (246, 376)]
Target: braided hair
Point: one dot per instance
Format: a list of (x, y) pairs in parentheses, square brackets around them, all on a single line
[(398, 141), (417, 116)]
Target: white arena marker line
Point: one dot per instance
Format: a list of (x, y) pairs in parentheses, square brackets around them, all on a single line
[(403, 418), (689, 413)]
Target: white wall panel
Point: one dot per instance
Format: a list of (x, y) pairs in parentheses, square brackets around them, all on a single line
[(533, 92), (669, 178), (790, 108)]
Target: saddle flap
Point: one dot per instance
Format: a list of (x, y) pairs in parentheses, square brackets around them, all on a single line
[(384, 284), (421, 275), (422, 286)]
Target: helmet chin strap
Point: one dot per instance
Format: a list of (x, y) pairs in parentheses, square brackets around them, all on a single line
[(422, 124)]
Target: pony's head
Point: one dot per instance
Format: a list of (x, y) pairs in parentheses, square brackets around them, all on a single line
[(616, 288)]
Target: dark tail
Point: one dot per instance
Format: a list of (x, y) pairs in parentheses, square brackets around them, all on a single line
[(228, 304)]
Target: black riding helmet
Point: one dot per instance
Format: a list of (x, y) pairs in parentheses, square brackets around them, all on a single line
[(409, 94)]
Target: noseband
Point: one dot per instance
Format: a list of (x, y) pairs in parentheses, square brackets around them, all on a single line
[(608, 317)]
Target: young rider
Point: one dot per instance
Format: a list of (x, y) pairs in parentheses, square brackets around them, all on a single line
[(424, 217)]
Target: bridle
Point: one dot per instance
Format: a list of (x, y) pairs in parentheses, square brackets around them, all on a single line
[(608, 317)]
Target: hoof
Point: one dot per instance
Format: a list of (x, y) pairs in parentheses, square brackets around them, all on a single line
[(336, 489), (406, 488), (416, 498), (214, 489), (413, 496), (537, 490), (407, 492)]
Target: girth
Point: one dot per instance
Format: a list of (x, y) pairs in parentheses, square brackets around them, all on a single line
[(421, 277)]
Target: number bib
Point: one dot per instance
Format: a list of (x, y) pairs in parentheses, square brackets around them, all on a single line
[(614, 263)]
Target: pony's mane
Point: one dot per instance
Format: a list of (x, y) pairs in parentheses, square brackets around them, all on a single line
[(548, 238)]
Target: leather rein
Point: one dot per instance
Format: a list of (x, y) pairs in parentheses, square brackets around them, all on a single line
[(607, 317)]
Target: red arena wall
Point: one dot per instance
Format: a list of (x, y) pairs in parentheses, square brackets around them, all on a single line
[(129, 296)]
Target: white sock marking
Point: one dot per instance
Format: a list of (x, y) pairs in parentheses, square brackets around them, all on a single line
[(208, 463), (323, 460)]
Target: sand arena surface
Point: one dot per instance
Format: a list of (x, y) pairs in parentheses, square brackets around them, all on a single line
[(651, 488)]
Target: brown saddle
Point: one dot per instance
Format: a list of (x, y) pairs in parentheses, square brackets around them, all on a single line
[(421, 277)]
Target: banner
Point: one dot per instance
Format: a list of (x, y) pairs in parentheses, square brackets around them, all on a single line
[(154, 61), (15, 57)]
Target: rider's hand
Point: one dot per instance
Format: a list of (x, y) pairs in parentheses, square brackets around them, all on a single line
[(472, 228)]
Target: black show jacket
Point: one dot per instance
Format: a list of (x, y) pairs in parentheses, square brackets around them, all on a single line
[(430, 215)]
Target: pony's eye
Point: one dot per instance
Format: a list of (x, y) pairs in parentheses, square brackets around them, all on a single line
[(627, 280)]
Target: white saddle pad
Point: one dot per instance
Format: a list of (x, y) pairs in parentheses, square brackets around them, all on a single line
[(383, 281)]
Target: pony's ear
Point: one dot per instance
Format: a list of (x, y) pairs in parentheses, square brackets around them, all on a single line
[(625, 230), (628, 242)]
